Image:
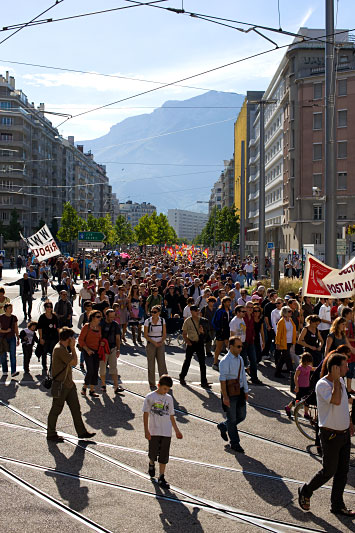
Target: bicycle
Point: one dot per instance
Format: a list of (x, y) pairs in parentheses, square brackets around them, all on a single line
[(307, 425)]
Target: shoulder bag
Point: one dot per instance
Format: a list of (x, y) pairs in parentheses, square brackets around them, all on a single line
[(57, 386), (233, 385)]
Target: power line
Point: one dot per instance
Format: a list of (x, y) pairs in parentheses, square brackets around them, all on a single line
[(161, 164), (25, 25), (33, 22)]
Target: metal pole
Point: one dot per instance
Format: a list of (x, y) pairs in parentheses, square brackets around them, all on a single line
[(330, 215), (262, 194), (242, 203)]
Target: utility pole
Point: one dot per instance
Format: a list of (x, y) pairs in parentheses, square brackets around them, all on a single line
[(261, 252), (330, 215), (242, 203)]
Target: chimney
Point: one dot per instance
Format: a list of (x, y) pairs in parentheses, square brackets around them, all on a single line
[(80, 147), (7, 76), (12, 82), (41, 107), (71, 139)]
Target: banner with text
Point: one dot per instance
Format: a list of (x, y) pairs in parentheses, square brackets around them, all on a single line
[(323, 281), (42, 244)]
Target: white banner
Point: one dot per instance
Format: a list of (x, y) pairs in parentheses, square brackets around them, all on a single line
[(42, 244), (323, 281)]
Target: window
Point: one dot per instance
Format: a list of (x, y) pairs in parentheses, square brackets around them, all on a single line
[(5, 136), (317, 91), (317, 238), (342, 118), (317, 121), (342, 211), (342, 149), (5, 105), (317, 212), (342, 181), (342, 87), (292, 110), (317, 151), (292, 140), (292, 168), (343, 59), (317, 180), (7, 121)]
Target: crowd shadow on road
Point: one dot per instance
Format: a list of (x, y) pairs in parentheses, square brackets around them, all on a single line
[(69, 488), (8, 391), (177, 517), (277, 493), (209, 400), (181, 417), (109, 414)]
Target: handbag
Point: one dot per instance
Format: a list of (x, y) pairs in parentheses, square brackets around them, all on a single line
[(233, 385), (48, 380), (57, 386), (4, 345)]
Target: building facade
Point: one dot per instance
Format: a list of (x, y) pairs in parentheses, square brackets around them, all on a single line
[(187, 224), (215, 200), (134, 211), (39, 170)]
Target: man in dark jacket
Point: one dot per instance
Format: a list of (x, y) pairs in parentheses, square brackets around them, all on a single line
[(27, 288), (63, 310)]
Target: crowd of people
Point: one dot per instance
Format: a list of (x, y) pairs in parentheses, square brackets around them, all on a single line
[(223, 313)]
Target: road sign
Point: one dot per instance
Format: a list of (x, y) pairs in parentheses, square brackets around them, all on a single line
[(91, 244), (270, 245), (226, 247), (341, 246), (2, 253), (91, 236)]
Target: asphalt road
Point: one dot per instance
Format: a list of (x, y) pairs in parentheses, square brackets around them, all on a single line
[(105, 483)]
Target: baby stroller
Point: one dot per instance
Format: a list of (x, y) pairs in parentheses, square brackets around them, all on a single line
[(174, 330)]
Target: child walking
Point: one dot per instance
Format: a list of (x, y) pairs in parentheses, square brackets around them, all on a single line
[(159, 419), (302, 378), (28, 337)]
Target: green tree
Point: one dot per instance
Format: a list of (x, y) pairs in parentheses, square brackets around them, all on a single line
[(145, 231), (227, 228), (14, 228), (208, 234), (164, 232), (70, 224), (54, 227), (40, 224), (123, 231)]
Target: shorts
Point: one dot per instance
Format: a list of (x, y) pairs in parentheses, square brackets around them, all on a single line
[(111, 361), (351, 372), (222, 335), (159, 449), (302, 392)]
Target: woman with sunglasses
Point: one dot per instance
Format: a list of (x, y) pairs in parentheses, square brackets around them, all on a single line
[(89, 341), (285, 339), (135, 316), (48, 332), (122, 301)]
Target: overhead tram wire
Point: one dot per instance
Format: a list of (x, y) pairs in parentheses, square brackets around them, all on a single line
[(214, 69), (34, 22), (27, 24)]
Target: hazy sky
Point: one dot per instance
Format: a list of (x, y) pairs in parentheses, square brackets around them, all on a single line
[(148, 43)]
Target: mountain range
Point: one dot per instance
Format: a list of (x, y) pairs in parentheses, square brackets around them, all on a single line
[(172, 156)]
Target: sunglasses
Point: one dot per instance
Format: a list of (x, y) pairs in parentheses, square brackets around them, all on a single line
[(289, 312), (98, 316), (238, 346), (154, 312), (48, 306), (242, 311), (256, 311)]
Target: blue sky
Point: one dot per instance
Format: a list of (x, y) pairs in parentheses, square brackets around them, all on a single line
[(148, 43)]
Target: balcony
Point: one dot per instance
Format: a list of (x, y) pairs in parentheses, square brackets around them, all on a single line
[(252, 142), (253, 214), (253, 177), (253, 160), (253, 195)]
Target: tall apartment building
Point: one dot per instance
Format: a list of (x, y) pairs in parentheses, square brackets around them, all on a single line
[(216, 196), (222, 192), (187, 224), (39, 170), (304, 139), (294, 146), (134, 211)]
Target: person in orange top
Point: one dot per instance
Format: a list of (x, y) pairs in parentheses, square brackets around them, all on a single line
[(89, 341), (285, 339)]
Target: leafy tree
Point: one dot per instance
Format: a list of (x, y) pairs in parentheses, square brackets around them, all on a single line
[(70, 224), (54, 227), (145, 231), (227, 225), (103, 224), (164, 232), (40, 225), (14, 228), (123, 231)]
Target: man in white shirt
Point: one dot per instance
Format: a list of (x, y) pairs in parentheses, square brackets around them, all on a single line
[(326, 320), (276, 314), (237, 325), (249, 269), (244, 297), (335, 431)]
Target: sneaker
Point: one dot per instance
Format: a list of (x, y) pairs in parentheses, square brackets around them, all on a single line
[(151, 470), (55, 438), (222, 428), (215, 366), (14, 374), (103, 388), (93, 394), (257, 381), (163, 483), (206, 385), (119, 389), (182, 382), (288, 411), (87, 435), (237, 448)]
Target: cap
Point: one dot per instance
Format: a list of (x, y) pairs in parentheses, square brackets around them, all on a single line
[(287, 297), (255, 297)]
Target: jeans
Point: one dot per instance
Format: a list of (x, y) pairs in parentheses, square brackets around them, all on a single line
[(92, 368), (249, 278), (12, 349), (27, 299), (250, 353), (199, 349), (336, 458), (236, 413)]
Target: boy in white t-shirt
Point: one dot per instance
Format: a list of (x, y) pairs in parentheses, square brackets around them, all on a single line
[(159, 419)]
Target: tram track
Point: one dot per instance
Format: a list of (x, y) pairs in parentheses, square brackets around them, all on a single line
[(178, 459), (265, 523)]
